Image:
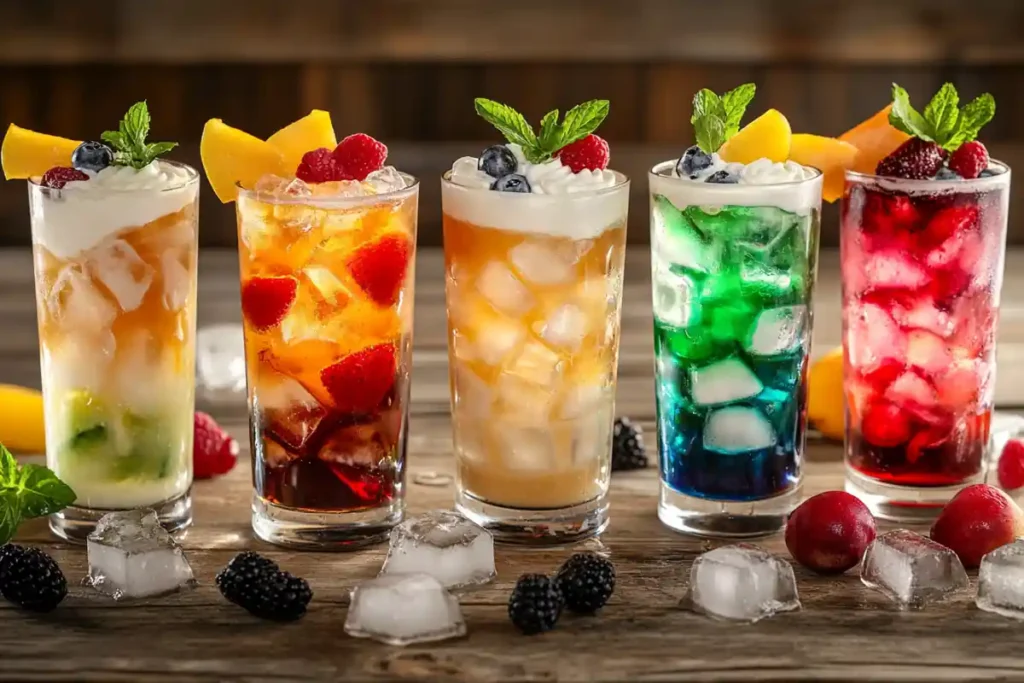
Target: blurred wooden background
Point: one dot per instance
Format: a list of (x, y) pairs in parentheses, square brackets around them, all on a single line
[(406, 71)]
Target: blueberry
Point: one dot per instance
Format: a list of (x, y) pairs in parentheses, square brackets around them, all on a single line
[(947, 174), (693, 162), (92, 156), (498, 161), (513, 182), (989, 172), (722, 177)]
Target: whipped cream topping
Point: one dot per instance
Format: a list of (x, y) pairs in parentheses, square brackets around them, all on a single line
[(550, 177), (788, 185), (760, 172), (83, 213)]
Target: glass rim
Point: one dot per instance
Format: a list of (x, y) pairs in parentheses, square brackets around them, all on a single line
[(932, 185), (193, 178), (622, 180), (656, 172), (334, 201)]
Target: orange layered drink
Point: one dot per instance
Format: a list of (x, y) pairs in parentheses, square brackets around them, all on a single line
[(534, 240), (114, 237), (326, 254)]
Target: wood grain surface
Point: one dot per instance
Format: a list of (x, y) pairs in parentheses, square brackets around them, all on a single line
[(844, 632)]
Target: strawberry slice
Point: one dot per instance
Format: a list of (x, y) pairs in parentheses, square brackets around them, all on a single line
[(360, 381), (379, 267), (266, 300)]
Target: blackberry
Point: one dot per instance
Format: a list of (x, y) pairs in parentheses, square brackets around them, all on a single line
[(257, 585), (31, 579), (722, 177), (497, 161), (627, 446), (693, 161), (586, 580), (535, 603), (513, 182), (92, 156)]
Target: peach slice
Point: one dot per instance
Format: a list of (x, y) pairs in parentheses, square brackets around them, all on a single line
[(875, 138), (830, 156), (767, 136), (233, 156), (26, 153), (312, 131)]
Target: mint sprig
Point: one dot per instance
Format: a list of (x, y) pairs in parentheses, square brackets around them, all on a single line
[(28, 491), (716, 119), (943, 121), (129, 140), (579, 122)]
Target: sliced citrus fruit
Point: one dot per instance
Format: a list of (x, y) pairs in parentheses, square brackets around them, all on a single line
[(233, 156), (766, 137), (875, 139), (825, 394), (26, 153), (830, 156), (312, 131)]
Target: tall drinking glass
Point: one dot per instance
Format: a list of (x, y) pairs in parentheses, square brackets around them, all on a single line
[(733, 270), (115, 273), (922, 266), (328, 342), (534, 284)]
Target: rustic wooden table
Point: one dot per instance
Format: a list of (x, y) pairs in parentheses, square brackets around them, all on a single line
[(844, 631)]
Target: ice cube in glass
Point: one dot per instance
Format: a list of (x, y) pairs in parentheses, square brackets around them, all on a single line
[(1001, 581), (404, 609), (445, 545), (911, 569), (742, 582)]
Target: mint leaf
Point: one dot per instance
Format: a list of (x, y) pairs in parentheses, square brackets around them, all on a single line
[(710, 120), (579, 122), (735, 102), (550, 131), (943, 121), (582, 120), (508, 121), (8, 467), (41, 492), (907, 119), (129, 140), (10, 515), (973, 118), (943, 113)]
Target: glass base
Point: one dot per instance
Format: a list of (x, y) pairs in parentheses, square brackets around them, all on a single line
[(324, 530), (908, 504), (559, 526), (725, 518), (76, 523)]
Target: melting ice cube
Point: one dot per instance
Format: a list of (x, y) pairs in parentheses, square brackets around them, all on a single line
[(565, 327), (679, 240), (445, 545), (675, 297), (404, 609), (1001, 581), (726, 381), (911, 569), (78, 304), (738, 429), (894, 270), (132, 556), (385, 180), (177, 282), (122, 271), (742, 582), (503, 290), (527, 448), (543, 265), (777, 330), (290, 412), (220, 358)]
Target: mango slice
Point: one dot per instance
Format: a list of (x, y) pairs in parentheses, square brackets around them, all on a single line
[(830, 156), (825, 395), (26, 153), (875, 139), (312, 131), (233, 156), (767, 136)]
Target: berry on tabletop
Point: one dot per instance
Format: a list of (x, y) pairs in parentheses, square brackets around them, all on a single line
[(258, 585), (586, 580), (535, 604), (31, 579), (829, 533)]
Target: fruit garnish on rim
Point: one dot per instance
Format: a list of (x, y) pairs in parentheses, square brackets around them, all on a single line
[(943, 143)]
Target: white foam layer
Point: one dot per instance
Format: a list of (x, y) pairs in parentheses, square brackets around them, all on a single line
[(760, 189), (85, 212)]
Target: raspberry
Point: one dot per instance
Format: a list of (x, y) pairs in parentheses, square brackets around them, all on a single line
[(627, 446), (969, 159), (58, 176), (590, 152), (359, 155), (379, 267), (360, 381), (915, 159), (31, 579), (586, 580), (257, 585), (266, 300), (1011, 465), (214, 452), (318, 166), (535, 604)]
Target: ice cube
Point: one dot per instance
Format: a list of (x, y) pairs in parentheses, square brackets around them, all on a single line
[(894, 270), (874, 339), (445, 545), (287, 409), (362, 446), (592, 434), (276, 185), (536, 364), (1001, 581), (566, 327), (527, 449), (385, 180), (924, 315), (912, 389), (675, 297), (738, 429), (777, 330), (912, 569), (132, 556), (220, 358), (503, 290), (77, 304), (679, 241), (928, 353), (472, 394), (543, 265), (496, 339), (404, 609), (122, 271), (328, 285), (725, 381), (742, 582), (177, 282)]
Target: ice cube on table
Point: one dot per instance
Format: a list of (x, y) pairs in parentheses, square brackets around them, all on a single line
[(738, 429), (742, 582), (676, 302), (911, 569), (503, 290), (777, 330), (445, 545), (678, 241), (725, 381), (132, 556), (403, 609), (122, 271), (543, 265), (1001, 581), (220, 359)]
